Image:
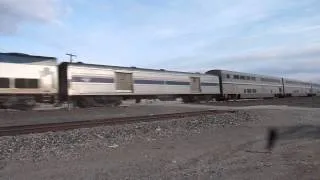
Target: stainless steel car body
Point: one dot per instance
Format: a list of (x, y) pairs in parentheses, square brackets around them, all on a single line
[(297, 88), (245, 85), (84, 79)]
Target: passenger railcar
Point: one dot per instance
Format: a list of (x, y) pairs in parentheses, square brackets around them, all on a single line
[(297, 88), (27, 78), (236, 85), (113, 83), (315, 89)]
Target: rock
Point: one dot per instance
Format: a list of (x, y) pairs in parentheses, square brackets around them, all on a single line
[(114, 146), (99, 136)]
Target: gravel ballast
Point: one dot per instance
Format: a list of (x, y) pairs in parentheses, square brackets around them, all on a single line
[(70, 144), (222, 146)]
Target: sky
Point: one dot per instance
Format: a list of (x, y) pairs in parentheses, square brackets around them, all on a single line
[(270, 37)]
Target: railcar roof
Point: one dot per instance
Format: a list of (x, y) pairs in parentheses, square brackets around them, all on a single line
[(244, 73), (290, 79), (25, 58), (258, 75), (130, 68)]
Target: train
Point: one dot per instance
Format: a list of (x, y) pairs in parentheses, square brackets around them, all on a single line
[(29, 79), (236, 85)]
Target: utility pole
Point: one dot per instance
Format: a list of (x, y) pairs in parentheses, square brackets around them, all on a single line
[(71, 56)]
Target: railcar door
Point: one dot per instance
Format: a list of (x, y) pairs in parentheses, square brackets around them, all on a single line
[(124, 81), (195, 84), (47, 80)]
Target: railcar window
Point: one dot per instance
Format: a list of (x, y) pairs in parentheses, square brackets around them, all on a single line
[(33, 83), (242, 77), (27, 83), (4, 83), (245, 90), (235, 76), (270, 80), (249, 90), (248, 77), (228, 76), (254, 91), (253, 78), (296, 83)]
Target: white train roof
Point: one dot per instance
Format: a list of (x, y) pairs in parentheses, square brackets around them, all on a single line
[(129, 68), (241, 73), (215, 71), (21, 58)]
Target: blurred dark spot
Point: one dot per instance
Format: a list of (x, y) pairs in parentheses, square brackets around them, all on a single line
[(272, 137), (291, 133)]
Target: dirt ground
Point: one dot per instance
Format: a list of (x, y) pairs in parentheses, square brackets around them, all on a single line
[(222, 152)]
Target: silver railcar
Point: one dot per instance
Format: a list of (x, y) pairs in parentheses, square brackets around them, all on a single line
[(28, 77), (316, 89), (244, 85), (79, 80), (297, 88)]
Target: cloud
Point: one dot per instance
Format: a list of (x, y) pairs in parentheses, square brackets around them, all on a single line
[(300, 63), (313, 77), (15, 12), (280, 54)]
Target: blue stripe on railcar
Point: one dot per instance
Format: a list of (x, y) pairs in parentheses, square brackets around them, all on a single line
[(92, 79), (144, 81), (209, 84), (177, 83), (137, 81)]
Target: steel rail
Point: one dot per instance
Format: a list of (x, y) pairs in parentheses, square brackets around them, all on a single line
[(62, 126)]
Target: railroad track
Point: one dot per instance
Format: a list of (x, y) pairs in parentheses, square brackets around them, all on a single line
[(61, 126)]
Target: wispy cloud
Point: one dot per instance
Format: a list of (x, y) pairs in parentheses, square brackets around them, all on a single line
[(14, 13)]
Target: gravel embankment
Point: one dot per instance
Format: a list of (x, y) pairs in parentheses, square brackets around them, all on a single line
[(71, 144), (223, 146)]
